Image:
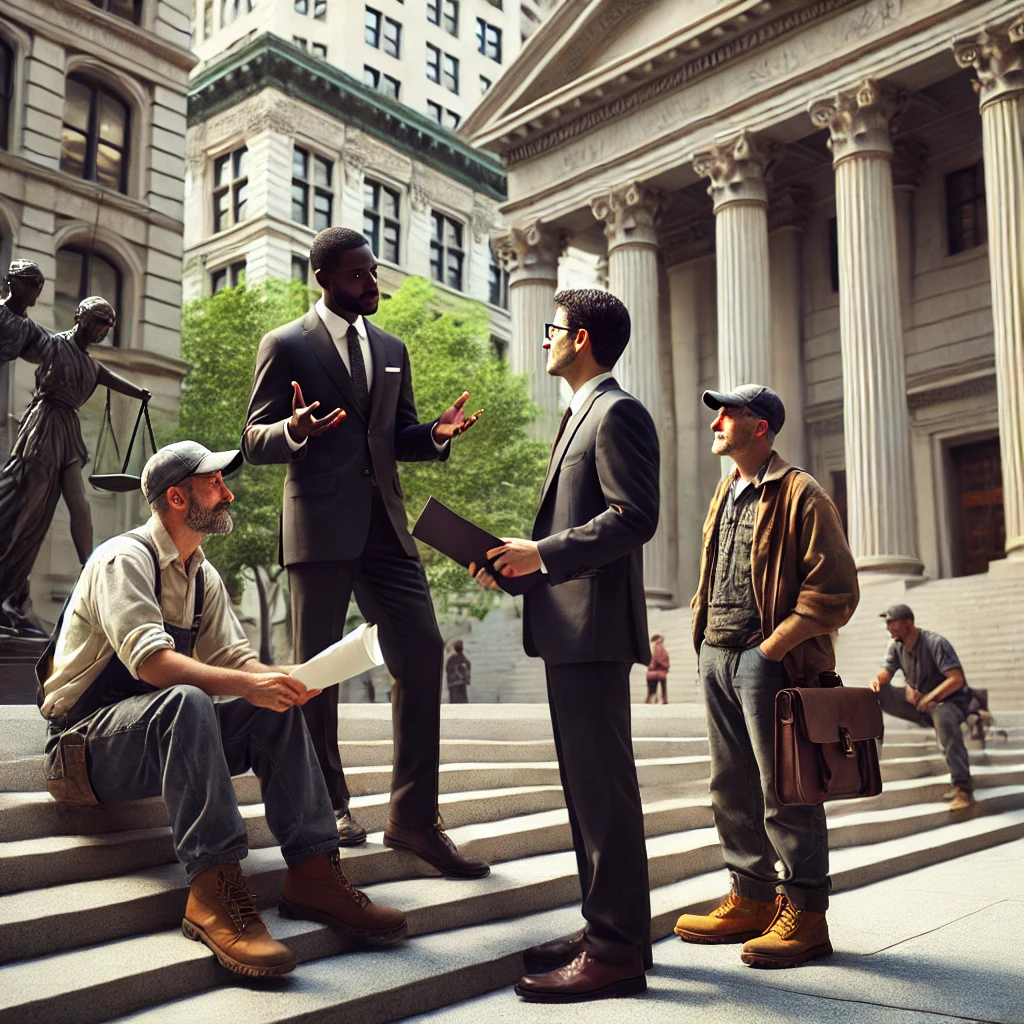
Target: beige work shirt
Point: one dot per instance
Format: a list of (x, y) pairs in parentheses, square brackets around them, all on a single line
[(113, 608)]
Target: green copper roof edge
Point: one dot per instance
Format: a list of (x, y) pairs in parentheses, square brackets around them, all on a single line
[(266, 62)]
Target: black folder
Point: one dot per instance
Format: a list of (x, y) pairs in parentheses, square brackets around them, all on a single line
[(464, 542)]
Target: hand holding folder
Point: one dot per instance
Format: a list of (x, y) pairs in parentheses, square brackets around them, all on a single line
[(465, 542)]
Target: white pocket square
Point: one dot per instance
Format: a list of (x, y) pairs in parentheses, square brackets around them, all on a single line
[(392, 369)]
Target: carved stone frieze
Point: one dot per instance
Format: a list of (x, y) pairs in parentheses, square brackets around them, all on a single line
[(997, 56), (789, 207), (483, 217), (953, 392), (529, 251), (736, 169), (909, 160), (380, 158), (355, 161), (691, 241), (860, 120), (630, 214), (419, 197)]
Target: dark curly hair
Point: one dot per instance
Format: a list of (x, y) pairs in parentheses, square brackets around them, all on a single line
[(330, 243), (605, 318)]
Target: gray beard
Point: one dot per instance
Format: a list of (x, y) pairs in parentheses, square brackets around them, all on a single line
[(215, 522)]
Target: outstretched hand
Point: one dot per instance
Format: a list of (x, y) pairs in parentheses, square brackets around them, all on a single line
[(303, 423), (454, 421)]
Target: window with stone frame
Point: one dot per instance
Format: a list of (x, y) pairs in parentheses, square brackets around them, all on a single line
[(96, 133), (312, 189), (497, 283), (230, 276), (965, 208), (488, 40), (381, 220), (230, 188), (300, 268), (6, 90), (130, 10), (82, 272), (446, 250), (444, 13)]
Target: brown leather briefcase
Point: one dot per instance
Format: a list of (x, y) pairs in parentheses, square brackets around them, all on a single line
[(825, 742)]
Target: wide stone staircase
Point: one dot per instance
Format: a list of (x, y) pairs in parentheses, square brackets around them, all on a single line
[(91, 899)]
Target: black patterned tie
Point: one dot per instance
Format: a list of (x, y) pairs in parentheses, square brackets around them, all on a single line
[(357, 369), (558, 437)]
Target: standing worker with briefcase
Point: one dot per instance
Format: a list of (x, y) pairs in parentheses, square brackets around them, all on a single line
[(777, 579)]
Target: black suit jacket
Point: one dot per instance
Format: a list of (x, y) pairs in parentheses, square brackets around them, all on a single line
[(329, 482), (598, 507)]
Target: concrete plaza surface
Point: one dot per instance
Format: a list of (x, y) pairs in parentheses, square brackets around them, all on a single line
[(939, 944)]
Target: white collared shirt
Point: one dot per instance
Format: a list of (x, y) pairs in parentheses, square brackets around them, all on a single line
[(586, 389), (337, 328)]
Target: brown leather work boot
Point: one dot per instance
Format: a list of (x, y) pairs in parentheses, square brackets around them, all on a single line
[(317, 890), (962, 800), (794, 937), (736, 919), (221, 913)]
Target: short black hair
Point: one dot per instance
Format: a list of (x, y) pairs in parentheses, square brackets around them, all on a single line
[(605, 318), (330, 243)]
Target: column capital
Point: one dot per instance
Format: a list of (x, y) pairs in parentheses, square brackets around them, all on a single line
[(630, 214), (860, 119), (997, 55), (909, 158), (529, 251), (736, 169), (789, 207)]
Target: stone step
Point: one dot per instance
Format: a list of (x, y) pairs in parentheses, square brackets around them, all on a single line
[(123, 980)]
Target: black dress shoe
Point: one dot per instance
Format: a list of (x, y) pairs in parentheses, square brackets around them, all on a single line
[(582, 979), (549, 956), (430, 843), (350, 832)]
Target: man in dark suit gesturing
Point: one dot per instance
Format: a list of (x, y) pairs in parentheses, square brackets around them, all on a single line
[(588, 621), (344, 525)]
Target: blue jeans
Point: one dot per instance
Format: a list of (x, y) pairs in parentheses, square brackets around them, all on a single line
[(755, 830), (177, 743)]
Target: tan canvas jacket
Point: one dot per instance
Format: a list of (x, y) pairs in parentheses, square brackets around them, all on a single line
[(805, 580)]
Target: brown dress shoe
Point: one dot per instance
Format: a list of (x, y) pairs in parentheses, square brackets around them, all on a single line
[(962, 800), (735, 919), (430, 843), (795, 936), (317, 890), (350, 832), (582, 979), (221, 913), (558, 952)]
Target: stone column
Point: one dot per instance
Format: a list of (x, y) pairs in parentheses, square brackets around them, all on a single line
[(876, 422), (908, 163), (531, 254), (997, 55), (788, 215), (629, 216), (736, 170)]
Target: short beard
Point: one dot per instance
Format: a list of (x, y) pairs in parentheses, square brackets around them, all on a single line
[(214, 521)]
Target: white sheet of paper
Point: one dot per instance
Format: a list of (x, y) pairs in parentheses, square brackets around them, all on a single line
[(351, 655)]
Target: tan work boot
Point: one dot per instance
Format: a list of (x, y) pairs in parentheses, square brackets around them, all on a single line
[(736, 919), (317, 890), (962, 800), (794, 937), (221, 913)]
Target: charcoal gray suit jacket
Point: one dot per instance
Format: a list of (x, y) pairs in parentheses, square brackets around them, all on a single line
[(329, 481), (598, 507)]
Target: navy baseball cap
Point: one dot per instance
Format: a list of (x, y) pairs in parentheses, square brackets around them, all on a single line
[(760, 400), (177, 462)]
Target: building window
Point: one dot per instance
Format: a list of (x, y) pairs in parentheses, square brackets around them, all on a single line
[(230, 188), (380, 219), (300, 269), (6, 91), (965, 208), (446, 252), (497, 286), (371, 77), (302, 7), (488, 40), (319, 51), (384, 84), (207, 18), (372, 29), (300, 42), (130, 10), (444, 117), (81, 272), (444, 13), (94, 140), (450, 74), (314, 192), (833, 254), (320, 10), (497, 3), (231, 9), (485, 84), (227, 277), (392, 38), (433, 63)]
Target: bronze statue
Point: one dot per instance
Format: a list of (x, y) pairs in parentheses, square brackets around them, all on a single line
[(49, 454), (22, 284)]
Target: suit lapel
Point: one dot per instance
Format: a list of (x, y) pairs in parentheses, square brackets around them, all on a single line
[(379, 357), (320, 341), (571, 427)]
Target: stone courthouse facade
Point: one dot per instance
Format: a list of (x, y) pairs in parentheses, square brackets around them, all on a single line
[(825, 196)]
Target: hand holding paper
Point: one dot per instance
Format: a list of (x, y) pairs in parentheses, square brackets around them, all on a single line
[(355, 653)]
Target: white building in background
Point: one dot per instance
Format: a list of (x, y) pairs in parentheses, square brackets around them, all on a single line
[(93, 100)]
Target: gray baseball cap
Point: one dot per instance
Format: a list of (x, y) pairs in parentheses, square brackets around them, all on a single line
[(897, 611), (177, 462), (757, 398)]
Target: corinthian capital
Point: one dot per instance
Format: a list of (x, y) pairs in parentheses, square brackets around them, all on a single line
[(736, 169), (997, 56), (860, 120), (629, 214), (529, 251)]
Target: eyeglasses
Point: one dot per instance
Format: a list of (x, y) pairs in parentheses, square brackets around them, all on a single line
[(551, 329)]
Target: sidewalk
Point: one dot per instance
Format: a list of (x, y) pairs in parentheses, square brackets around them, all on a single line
[(937, 945)]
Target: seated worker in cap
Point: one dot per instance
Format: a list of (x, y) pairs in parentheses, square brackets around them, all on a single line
[(146, 640), (936, 695)]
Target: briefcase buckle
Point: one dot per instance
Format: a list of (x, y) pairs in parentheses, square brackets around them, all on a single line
[(847, 742)]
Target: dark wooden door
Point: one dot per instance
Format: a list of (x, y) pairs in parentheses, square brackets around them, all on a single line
[(978, 470)]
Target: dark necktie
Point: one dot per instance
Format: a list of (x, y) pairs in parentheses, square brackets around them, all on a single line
[(566, 416), (357, 370)]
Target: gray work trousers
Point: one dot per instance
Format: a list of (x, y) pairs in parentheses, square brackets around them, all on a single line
[(755, 830), (945, 718), (179, 744)]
